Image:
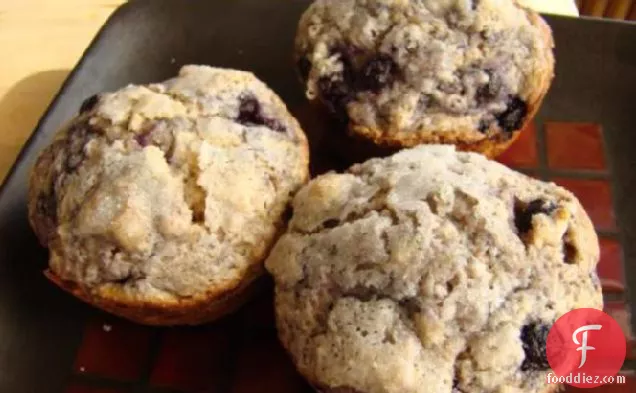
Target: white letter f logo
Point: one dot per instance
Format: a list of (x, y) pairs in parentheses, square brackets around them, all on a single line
[(584, 348)]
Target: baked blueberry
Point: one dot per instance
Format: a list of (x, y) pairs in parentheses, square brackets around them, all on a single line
[(514, 116), (534, 337), (251, 113), (78, 136), (524, 213), (378, 73)]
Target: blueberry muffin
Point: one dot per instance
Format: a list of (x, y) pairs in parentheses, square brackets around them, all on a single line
[(430, 271), (405, 72), (159, 203)]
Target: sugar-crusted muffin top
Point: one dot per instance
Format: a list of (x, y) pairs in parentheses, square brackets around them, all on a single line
[(431, 268), (171, 190)]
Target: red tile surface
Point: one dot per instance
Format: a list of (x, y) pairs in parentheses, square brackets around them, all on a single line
[(523, 152), (575, 146), (596, 197), (113, 348), (89, 389), (193, 359), (610, 266), (620, 312), (264, 367)]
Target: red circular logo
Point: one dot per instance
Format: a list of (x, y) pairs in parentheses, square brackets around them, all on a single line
[(585, 348)]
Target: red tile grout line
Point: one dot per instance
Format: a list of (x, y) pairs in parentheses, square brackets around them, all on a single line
[(613, 234), (532, 172), (628, 297), (155, 347), (579, 174), (542, 151), (71, 374), (612, 185), (606, 152), (614, 297), (569, 174)]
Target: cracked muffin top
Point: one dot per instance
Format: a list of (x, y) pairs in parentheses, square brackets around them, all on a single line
[(405, 72), (430, 271), (169, 192)]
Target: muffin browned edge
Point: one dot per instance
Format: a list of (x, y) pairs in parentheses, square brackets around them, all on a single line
[(191, 311)]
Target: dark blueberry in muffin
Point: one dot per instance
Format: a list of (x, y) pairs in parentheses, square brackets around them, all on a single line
[(251, 113), (456, 388), (89, 103), (336, 93), (331, 223), (514, 115), (570, 253), (144, 138), (347, 53), (46, 207), (157, 133), (336, 90), (490, 90), (534, 337), (524, 213), (78, 136), (484, 126), (378, 73)]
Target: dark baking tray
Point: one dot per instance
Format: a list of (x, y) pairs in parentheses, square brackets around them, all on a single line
[(145, 41)]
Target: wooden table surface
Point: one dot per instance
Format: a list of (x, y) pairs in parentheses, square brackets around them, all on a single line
[(40, 42)]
